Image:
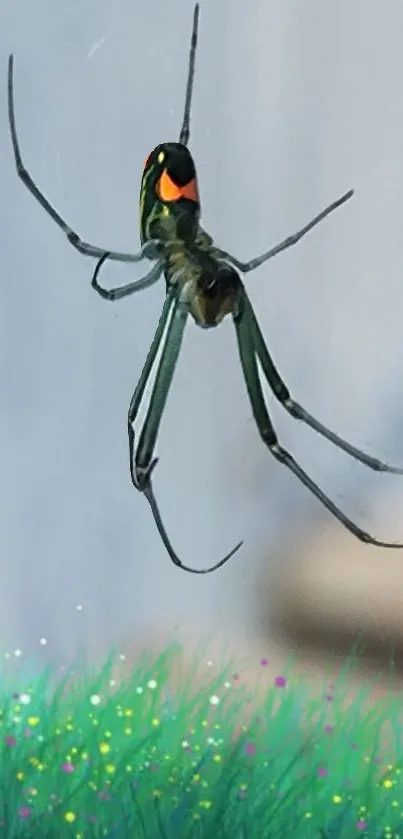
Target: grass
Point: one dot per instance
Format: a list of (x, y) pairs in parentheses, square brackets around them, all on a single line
[(91, 757)]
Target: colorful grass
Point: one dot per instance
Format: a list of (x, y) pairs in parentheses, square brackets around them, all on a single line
[(90, 757)]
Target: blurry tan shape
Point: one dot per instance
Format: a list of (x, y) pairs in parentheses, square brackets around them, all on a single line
[(339, 590), (334, 592)]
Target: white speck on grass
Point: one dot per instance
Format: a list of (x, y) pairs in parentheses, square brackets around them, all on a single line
[(95, 699), (152, 684), (25, 698), (96, 47), (214, 700), (17, 653), (43, 642)]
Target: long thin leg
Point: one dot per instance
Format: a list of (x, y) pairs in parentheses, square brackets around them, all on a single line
[(247, 351), (297, 411), (185, 130), (142, 462), (286, 243), (83, 247), (124, 290)]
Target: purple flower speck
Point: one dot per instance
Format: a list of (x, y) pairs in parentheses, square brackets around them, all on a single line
[(250, 749), (280, 681), (24, 812), (27, 732), (322, 772), (361, 824), (328, 729), (10, 741), (68, 767), (264, 662)]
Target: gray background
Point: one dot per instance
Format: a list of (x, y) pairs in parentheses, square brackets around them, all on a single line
[(294, 103)]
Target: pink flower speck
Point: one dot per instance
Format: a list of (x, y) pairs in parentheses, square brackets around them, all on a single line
[(280, 681), (68, 767)]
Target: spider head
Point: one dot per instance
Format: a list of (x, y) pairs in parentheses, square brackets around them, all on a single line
[(169, 197)]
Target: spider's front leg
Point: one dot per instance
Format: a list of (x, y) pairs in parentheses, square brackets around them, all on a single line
[(142, 461), (173, 321)]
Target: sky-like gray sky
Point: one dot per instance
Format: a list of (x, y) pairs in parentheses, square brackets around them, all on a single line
[(294, 103)]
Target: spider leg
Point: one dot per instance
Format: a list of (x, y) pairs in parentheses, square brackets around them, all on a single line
[(142, 463), (286, 243), (124, 290), (297, 411), (83, 247), (248, 356)]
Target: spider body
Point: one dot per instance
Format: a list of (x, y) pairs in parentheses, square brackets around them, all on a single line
[(170, 214), (202, 281), (209, 288), (169, 196)]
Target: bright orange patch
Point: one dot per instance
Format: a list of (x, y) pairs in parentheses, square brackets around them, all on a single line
[(167, 190)]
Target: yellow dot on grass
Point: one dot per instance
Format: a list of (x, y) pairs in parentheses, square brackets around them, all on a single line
[(110, 768), (155, 721), (206, 804), (128, 712), (217, 758), (70, 816), (308, 815), (387, 783), (104, 748), (20, 776), (32, 721), (128, 730), (337, 799)]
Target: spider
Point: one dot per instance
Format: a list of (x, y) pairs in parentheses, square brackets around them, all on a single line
[(204, 282)]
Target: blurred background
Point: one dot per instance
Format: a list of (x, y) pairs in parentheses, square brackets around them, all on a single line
[(293, 105)]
